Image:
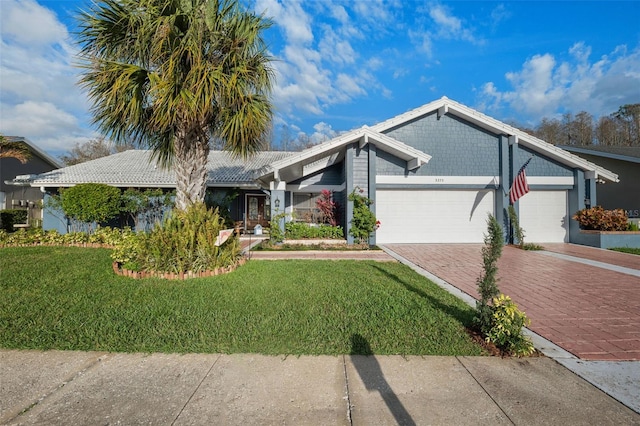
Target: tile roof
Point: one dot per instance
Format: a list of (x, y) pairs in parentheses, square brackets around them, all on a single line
[(136, 168)]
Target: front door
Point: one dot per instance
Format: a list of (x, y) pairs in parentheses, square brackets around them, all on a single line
[(258, 211)]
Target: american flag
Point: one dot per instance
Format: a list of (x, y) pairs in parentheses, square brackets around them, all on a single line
[(519, 187)]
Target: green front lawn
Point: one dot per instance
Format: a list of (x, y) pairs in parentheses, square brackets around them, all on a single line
[(69, 298)]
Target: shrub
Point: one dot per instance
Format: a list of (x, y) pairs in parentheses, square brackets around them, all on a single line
[(364, 221), (518, 232), (37, 236), (599, 219), (506, 327), (91, 202), (276, 233), (302, 230), (185, 241), (328, 207), (10, 217)]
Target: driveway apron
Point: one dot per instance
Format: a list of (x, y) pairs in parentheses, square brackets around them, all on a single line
[(588, 310)]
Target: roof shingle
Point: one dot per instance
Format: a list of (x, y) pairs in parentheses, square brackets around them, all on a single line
[(136, 168)]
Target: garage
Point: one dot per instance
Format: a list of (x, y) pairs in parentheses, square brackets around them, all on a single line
[(432, 216), (543, 217)]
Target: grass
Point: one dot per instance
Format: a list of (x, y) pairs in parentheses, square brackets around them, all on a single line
[(626, 250), (68, 298)]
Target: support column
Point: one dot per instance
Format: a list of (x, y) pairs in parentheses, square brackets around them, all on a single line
[(590, 188), (278, 205), (349, 189), (372, 185), (577, 197), (502, 186), (513, 146)]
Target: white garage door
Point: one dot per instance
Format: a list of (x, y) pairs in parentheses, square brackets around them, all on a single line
[(543, 217), (432, 216)]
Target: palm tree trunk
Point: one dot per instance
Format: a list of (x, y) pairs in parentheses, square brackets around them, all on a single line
[(190, 166)]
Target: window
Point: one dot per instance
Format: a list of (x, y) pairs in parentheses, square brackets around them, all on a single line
[(304, 207)]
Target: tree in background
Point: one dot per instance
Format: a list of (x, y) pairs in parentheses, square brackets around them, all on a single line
[(628, 117), (621, 128), (90, 150), (174, 75), (11, 149)]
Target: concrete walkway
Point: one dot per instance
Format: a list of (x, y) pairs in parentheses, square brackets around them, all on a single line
[(90, 388)]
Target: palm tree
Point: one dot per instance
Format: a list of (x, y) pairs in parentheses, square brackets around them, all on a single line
[(14, 149), (173, 75)]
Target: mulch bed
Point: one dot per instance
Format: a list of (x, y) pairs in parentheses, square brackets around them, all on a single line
[(492, 349)]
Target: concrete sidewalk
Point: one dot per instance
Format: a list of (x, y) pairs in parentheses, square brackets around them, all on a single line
[(90, 388)]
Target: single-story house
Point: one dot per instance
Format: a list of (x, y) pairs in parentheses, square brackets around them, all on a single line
[(433, 173), (625, 162), (15, 179)]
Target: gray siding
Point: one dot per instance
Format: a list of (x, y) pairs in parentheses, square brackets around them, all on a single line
[(361, 169), (539, 165), (457, 147), (333, 175)]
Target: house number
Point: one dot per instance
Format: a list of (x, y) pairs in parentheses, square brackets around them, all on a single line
[(439, 180)]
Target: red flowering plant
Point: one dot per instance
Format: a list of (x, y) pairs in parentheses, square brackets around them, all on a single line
[(328, 207)]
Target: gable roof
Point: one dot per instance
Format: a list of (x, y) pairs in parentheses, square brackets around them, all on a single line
[(445, 105), (35, 150), (623, 153), (331, 152), (135, 168)]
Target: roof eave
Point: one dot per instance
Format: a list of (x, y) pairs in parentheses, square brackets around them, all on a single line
[(292, 168)]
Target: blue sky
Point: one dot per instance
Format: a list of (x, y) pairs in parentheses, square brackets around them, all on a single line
[(344, 64)]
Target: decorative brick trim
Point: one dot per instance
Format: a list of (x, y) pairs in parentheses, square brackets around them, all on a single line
[(173, 276)]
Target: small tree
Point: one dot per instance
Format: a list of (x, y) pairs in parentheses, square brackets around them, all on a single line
[(488, 281), (91, 202)]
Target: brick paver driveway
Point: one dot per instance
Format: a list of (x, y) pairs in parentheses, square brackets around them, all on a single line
[(591, 312)]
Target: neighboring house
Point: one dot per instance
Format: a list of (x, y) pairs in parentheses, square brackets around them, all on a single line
[(434, 174), (625, 162), (15, 192)]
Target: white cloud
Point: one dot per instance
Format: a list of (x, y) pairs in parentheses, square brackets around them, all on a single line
[(323, 132), (449, 26), (335, 48), (42, 27), (50, 127), (443, 25), (290, 16), (545, 86), (423, 41), (318, 66), (499, 14), (40, 98)]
